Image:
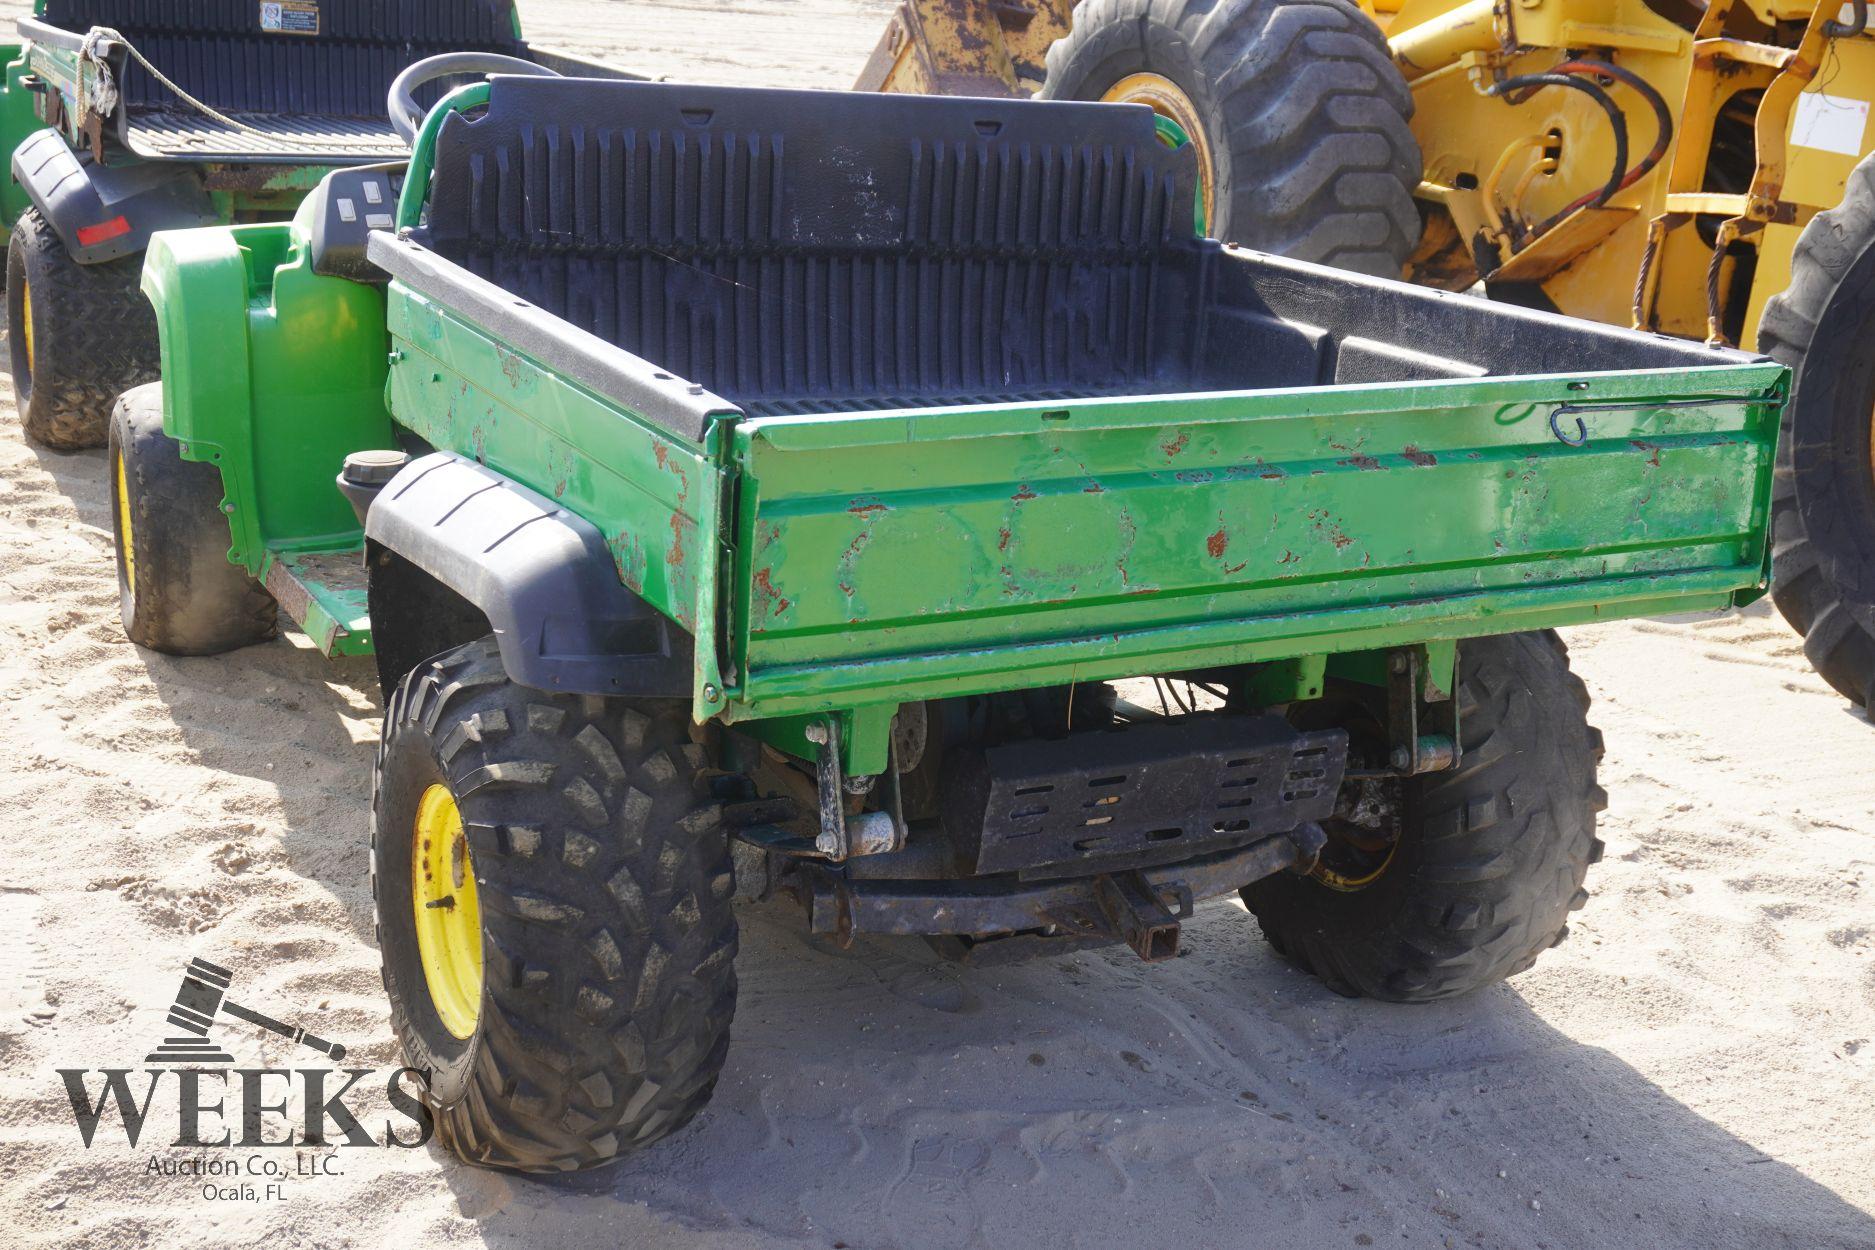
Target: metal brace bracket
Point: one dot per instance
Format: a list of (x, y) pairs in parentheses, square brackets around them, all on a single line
[(868, 833), (1411, 751)]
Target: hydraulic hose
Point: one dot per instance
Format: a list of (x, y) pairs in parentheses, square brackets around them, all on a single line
[(1516, 90), (1663, 116), (1615, 121), (1857, 23)]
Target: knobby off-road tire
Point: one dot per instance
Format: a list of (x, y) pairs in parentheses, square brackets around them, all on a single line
[(1301, 107), (176, 591), (93, 336), (604, 885), (1823, 503), (1491, 857)]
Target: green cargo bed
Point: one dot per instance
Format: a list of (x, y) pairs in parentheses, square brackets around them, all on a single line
[(961, 406)]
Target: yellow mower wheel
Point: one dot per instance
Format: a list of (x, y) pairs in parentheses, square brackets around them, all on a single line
[(126, 515), (447, 915), (26, 321)]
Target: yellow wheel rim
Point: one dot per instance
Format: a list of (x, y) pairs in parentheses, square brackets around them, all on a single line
[(1349, 884), (26, 315), (126, 537), (1168, 100), (449, 920)]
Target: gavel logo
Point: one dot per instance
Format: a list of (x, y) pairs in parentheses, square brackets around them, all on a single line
[(204, 995)]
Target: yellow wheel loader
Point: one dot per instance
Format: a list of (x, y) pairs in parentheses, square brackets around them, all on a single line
[(1701, 170)]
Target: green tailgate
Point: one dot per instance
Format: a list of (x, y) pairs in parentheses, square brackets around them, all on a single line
[(901, 555)]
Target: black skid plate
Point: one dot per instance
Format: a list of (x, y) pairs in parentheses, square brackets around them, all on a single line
[(1158, 791)]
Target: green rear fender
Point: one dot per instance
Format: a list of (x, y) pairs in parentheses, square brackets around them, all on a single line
[(272, 373)]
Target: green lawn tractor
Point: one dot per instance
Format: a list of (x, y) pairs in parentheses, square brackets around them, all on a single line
[(891, 503), (120, 118)]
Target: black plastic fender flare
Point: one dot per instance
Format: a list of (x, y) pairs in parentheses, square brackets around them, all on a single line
[(103, 212), (543, 577)]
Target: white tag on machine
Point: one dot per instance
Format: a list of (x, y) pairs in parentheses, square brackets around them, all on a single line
[(1830, 123)]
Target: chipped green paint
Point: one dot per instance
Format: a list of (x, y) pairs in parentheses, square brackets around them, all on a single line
[(1026, 544), (654, 497)]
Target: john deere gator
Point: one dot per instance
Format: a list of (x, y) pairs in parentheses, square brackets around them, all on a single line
[(120, 118), (893, 504)]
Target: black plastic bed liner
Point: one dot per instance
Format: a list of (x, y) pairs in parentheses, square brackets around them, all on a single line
[(797, 252), (312, 94)]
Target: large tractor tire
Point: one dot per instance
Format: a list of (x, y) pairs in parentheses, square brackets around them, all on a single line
[(1297, 111), (553, 892), (176, 590), (1489, 859), (1823, 506), (79, 336)]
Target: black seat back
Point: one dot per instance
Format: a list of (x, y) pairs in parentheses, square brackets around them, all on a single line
[(810, 251), (220, 52)]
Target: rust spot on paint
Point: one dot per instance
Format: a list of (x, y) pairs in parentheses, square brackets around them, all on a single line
[(1329, 528), (1235, 568), (769, 601), (1216, 543), (1024, 494), (1129, 531), (1654, 459), (1361, 462), (512, 367), (1093, 488), (661, 451), (1289, 557), (675, 555), (1002, 539), (1423, 459), (866, 509), (1176, 445), (851, 555)]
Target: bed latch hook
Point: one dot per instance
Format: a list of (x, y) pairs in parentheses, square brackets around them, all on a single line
[(1582, 429)]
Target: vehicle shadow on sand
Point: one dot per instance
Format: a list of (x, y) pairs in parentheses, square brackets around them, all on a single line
[(278, 713), (881, 1097)]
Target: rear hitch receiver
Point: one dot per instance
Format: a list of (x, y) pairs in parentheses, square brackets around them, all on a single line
[(1308, 838), (1136, 913)]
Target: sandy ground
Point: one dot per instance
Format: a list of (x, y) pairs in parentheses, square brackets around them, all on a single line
[(1695, 1067)]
